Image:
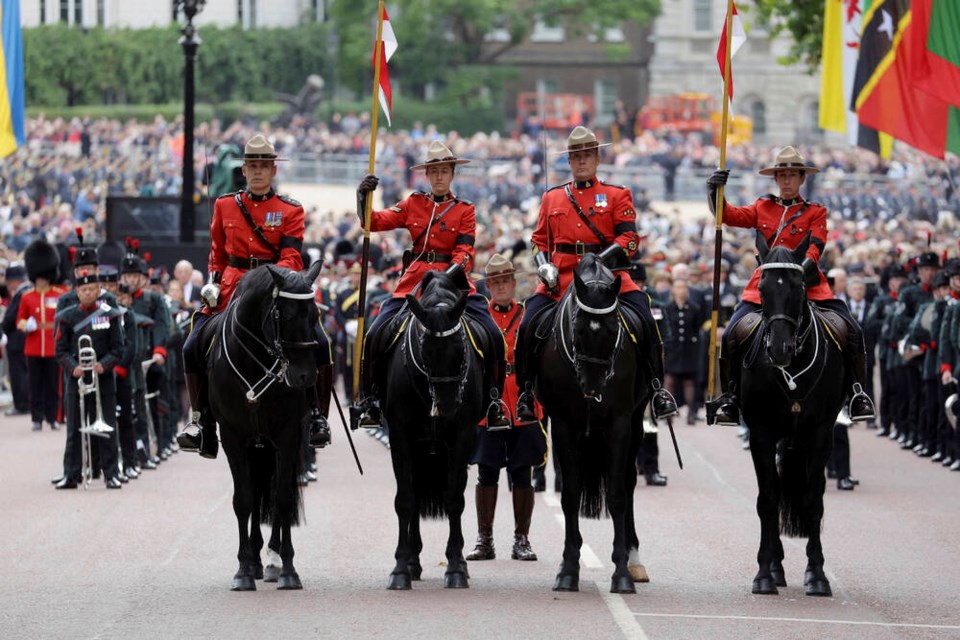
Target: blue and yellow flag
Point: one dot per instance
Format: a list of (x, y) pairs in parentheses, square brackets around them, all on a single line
[(11, 78)]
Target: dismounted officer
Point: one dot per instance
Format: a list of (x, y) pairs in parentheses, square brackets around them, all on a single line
[(249, 228), (517, 449), (784, 221), (101, 323), (880, 321), (586, 215), (443, 229)]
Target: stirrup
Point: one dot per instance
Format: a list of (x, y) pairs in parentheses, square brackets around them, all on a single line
[(667, 404), (723, 411), (525, 407), (190, 438), (366, 414), (497, 409), (866, 410), (319, 430)]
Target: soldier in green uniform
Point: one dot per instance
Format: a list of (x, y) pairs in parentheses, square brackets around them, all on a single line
[(879, 321)]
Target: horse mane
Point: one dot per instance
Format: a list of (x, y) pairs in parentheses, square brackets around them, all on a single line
[(438, 289), (780, 254), (262, 279)]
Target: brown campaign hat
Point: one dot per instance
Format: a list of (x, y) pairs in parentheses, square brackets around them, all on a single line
[(259, 148), (498, 266), (582, 139), (788, 158), (438, 153)]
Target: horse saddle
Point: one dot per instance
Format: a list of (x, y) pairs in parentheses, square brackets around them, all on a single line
[(632, 323), (388, 336), (741, 332), (835, 325)]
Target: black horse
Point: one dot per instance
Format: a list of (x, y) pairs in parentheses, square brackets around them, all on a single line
[(433, 399), (260, 366), (792, 381), (594, 390)]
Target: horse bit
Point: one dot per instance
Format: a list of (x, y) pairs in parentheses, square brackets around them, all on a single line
[(277, 370), (577, 359), (432, 380)]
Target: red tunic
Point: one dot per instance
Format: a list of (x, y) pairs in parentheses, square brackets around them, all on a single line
[(42, 306), (766, 215), (508, 319), (452, 235), (559, 223), (280, 218)]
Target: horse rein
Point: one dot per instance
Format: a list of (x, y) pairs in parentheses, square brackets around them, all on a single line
[(570, 350), (461, 377), (277, 370)]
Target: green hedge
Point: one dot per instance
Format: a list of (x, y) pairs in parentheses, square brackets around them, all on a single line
[(227, 112)]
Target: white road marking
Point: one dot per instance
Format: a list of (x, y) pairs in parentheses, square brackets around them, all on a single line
[(587, 556), (625, 619), (862, 623)]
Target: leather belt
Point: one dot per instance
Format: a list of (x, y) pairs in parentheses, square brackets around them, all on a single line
[(577, 248), (433, 256), (248, 263)]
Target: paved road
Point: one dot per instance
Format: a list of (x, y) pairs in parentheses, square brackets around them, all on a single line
[(155, 559)]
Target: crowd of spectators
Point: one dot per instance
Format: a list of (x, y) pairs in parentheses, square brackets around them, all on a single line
[(61, 177)]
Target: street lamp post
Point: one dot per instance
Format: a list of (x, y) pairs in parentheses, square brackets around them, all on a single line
[(190, 42)]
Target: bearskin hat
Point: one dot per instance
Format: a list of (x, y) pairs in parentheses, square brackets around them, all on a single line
[(42, 261)]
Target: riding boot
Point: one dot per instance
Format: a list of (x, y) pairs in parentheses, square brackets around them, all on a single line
[(486, 507), (861, 406), (522, 513), (200, 434), (366, 413), (319, 428), (725, 410), (663, 404), (497, 418)]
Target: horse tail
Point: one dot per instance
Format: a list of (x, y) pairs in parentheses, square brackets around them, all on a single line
[(592, 467), (281, 499), (263, 466), (794, 488), (430, 480)]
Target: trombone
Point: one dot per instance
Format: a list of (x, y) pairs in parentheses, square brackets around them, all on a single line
[(87, 359)]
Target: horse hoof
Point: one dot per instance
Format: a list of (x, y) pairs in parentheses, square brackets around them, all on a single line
[(289, 582), (779, 578), (622, 584), (455, 580), (639, 573), (258, 572), (765, 586), (819, 587), (243, 583), (415, 571), (271, 573), (398, 582), (566, 582)]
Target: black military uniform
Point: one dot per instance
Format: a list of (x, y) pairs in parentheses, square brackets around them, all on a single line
[(16, 360), (683, 351), (949, 363), (101, 322), (126, 378), (920, 336), (879, 323)]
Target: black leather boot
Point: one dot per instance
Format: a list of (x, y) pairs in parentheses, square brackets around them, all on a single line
[(662, 404), (725, 409), (200, 434), (366, 412), (523, 502), (319, 428), (486, 498), (525, 410), (497, 418), (861, 406)]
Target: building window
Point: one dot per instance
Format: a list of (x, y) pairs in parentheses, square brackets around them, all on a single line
[(702, 15), (43, 11), (240, 12), (542, 32), (78, 12), (758, 113), (65, 11), (605, 95), (101, 13), (610, 34)]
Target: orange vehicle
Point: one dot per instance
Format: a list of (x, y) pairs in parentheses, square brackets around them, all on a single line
[(561, 111), (692, 112)]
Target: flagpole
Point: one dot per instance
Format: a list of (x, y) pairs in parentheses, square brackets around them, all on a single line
[(718, 233), (368, 209)]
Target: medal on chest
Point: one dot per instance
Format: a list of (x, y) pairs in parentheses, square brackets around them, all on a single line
[(273, 219), (99, 323), (600, 201)]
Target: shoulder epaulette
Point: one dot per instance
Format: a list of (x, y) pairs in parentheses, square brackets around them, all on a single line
[(768, 196), (290, 201), (815, 204), (229, 195), (462, 201), (610, 184), (420, 193), (60, 315), (559, 186)]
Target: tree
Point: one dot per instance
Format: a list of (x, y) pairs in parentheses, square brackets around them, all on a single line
[(802, 20)]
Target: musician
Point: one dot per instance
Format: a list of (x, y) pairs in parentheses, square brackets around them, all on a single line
[(880, 323), (17, 284), (948, 359), (35, 318), (124, 371), (784, 220), (517, 449), (443, 229), (249, 228), (98, 320), (586, 215)]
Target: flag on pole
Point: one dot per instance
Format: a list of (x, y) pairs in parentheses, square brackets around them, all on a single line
[(841, 48), (388, 46), (738, 37), (11, 78)]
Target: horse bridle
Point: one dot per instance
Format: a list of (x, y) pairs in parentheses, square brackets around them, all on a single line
[(277, 350), (570, 350), (798, 338), (431, 379)]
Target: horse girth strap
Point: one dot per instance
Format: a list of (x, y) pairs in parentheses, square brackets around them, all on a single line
[(257, 231), (586, 219)]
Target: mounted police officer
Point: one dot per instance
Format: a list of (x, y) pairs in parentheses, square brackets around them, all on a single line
[(249, 228), (784, 221), (586, 215), (443, 229)]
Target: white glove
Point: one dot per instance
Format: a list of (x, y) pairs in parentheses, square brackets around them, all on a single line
[(211, 295), (549, 275), (31, 325)]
